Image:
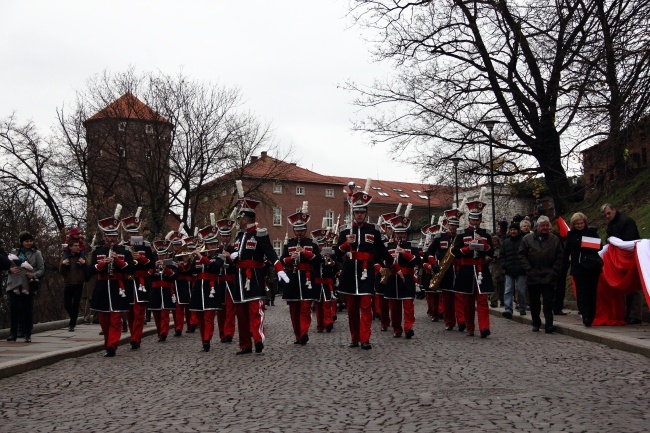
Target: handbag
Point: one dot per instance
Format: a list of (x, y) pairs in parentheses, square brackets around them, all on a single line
[(591, 262)]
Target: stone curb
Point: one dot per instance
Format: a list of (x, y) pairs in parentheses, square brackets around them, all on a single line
[(583, 333)]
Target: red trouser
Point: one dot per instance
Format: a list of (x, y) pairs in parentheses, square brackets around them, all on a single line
[(376, 305), (161, 317), (135, 318), (359, 317), (300, 312), (433, 304), (179, 316), (334, 307), (482, 309), (111, 324), (396, 306), (384, 316), (323, 314), (206, 324), (226, 318), (250, 322), (192, 319), (454, 308)]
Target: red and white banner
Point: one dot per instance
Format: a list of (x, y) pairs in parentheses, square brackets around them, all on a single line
[(626, 269)]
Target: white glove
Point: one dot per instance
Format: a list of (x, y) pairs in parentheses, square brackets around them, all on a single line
[(27, 266), (284, 276), (234, 255)]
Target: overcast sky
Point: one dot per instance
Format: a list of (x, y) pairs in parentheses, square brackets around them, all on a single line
[(286, 56)]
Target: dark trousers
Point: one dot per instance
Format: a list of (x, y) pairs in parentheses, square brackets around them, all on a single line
[(21, 309), (560, 291), (546, 291), (71, 301), (586, 289)]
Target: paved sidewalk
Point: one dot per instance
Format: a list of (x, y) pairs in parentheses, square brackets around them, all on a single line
[(51, 342)]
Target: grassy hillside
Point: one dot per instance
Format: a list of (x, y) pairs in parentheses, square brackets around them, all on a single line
[(631, 197)]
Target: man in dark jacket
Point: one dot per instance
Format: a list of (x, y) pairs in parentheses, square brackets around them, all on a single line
[(624, 228), (515, 274), (73, 268), (540, 254)]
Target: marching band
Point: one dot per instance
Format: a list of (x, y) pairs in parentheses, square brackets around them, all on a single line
[(370, 269)]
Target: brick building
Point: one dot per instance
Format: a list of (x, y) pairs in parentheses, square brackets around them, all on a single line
[(598, 160), (283, 187), (128, 161)]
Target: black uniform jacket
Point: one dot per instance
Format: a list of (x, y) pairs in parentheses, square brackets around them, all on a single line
[(301, 286), (109, 294), (252, 245), (407, 261), (472, 270), (358, 273)]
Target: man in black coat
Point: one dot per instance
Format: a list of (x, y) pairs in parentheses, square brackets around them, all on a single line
[(624, 228)]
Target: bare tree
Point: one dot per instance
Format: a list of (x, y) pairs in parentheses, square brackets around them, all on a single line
[(460, 63), (26, 166)]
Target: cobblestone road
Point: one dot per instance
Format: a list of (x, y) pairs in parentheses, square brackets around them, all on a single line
[(438, 381)]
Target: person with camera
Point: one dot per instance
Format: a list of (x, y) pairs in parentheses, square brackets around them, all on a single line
[(22, 285)]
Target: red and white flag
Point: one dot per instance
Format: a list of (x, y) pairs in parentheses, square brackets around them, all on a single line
[(593, 243)]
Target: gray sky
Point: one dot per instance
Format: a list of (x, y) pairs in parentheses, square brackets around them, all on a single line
[(286, 56)]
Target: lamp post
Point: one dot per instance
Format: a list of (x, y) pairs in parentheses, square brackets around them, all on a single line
[(428, 192), (456, 161), (489, 124)]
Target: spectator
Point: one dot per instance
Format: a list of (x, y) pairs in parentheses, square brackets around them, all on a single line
[(581, 255), (525, 227), (74, 236), (498, 277), (73, 269), (21, 304), (624, 228), (540, 255), (515, 276)]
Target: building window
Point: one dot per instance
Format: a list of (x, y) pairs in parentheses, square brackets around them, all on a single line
[(277, 216), (329, 193), (382, 193), (148, 129), (121, 126), (329, 218), (277, 188), (277, 246), (417, 191), (300, 190), (121, 151), (404, 195), (424, 197), (397, 189), (376, 188)]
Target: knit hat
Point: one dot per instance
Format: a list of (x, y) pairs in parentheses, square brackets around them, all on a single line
[(25, 236), (514, 225)]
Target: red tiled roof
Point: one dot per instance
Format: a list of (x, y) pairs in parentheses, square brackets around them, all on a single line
[(440, 195), (128, 106), (271, 168)]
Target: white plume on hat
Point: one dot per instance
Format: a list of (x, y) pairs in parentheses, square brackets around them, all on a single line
[(441, 219), (240, 188), (433, 218), (196, 231), (481, 196), (324, 226), (463, 219), (137, 212), (118, 210), (169, 235), (233, 213), (180, 227), (379, 220), (305, 207), (408, 210), (368, 183), (399, 208), (213, 220)]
